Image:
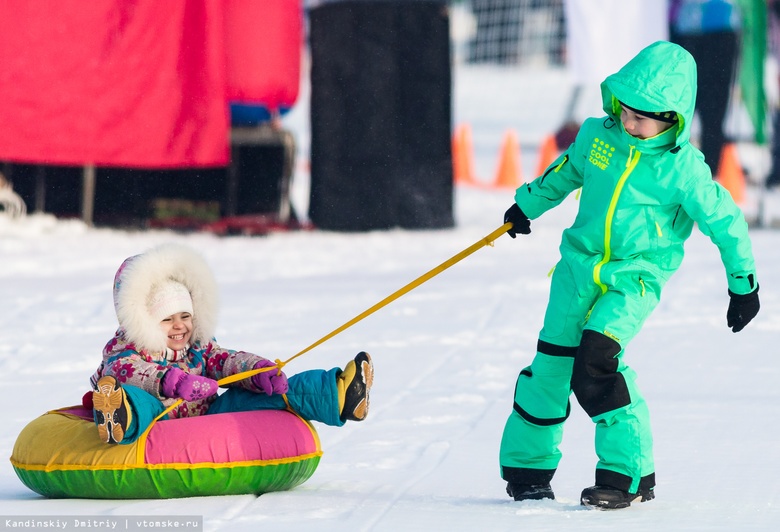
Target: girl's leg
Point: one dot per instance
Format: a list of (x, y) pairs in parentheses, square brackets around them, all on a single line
[(122, 413), (312, 395), (145, 408)]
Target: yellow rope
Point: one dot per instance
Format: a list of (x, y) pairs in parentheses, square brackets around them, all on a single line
[(140, 449), (486, 241), (246, 374)]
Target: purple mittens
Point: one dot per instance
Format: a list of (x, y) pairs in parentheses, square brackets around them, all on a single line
[(180, 384), (271, 381)]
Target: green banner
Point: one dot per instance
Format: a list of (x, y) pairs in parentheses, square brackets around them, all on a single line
[(751, 70)]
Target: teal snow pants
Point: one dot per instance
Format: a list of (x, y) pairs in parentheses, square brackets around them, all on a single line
[(312, 395), (580, 349)]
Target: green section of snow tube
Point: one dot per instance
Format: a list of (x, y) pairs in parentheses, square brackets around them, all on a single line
[(58, 455), (143, 483)]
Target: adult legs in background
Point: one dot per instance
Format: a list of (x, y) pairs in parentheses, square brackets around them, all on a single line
[(716, 59)]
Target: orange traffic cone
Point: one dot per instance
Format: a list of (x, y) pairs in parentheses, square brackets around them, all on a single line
[(463, 156), (509, 172), (730, 173), (548, 151)]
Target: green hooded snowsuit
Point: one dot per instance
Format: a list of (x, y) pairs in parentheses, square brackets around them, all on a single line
[(639, 201)]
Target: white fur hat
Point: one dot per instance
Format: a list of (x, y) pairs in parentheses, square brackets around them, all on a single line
[(145, 291), (169, 297)]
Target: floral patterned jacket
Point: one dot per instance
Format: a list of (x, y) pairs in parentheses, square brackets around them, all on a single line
[(145, 369)]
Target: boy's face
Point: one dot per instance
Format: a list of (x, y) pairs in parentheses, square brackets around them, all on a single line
[(642, 127), (178, 330)]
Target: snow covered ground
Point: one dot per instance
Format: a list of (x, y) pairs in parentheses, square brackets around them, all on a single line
[(446, 356)]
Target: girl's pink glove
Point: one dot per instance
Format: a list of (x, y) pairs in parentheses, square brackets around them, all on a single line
[(271, 381), (180, 384)]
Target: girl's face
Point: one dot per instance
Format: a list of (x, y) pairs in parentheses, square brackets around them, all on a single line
[(640, 126), (178, 329)]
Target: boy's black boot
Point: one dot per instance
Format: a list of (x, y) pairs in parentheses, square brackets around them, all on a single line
[(529, 492), (354, 384), (609, 498)]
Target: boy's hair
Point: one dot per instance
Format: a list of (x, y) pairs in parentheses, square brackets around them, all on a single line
[(670, 117)]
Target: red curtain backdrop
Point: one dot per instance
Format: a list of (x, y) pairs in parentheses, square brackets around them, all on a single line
[(263, 41), (138, 84)]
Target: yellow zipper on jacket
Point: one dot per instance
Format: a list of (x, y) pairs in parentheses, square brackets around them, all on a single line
[(633, 158)]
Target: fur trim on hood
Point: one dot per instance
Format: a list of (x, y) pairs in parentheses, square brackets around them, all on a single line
[(138, 275)]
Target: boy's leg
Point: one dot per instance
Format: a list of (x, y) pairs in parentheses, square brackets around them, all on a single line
[(530, 452), (606, 388), (529, 446), (122, 413)]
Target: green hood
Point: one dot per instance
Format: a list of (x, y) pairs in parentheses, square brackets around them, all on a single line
[(662, 77)]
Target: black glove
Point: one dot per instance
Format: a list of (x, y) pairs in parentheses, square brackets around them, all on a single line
[(520, 222), (742, 309)]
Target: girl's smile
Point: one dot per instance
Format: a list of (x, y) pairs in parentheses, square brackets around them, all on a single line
[(178, 330)]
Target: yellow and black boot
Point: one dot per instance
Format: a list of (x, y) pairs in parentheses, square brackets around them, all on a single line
[(112, 411), (353, 384)]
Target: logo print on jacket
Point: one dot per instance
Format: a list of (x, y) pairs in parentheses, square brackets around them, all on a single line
[(600, 153)]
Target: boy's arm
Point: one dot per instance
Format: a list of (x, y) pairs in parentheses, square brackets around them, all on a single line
[(562, 177), (718, 217), (712, 208)]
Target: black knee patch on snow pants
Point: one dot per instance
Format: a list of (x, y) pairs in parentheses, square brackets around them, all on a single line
[(595, 380)]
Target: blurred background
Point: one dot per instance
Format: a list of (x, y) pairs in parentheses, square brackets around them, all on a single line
[(244, 116)]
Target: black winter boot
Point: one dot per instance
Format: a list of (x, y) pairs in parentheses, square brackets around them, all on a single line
[(111, 410), (356, 380), (528, 492), (609, 498)]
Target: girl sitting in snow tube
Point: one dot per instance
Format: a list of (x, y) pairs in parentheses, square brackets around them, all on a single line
[(162, 363)]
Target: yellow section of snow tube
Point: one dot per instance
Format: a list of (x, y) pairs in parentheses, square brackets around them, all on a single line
[(60, 455)]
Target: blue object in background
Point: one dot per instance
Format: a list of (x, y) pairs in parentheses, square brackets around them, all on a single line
[(247, 115)]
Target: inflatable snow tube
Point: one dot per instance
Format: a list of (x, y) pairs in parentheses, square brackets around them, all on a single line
[(59, 455)]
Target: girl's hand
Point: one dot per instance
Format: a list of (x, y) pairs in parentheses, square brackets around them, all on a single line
[(182, 385), (272, 381)]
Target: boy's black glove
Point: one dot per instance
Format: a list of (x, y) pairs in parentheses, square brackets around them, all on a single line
[(520, 222), (742, 309)]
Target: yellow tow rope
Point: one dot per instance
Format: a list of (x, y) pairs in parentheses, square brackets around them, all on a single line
[(486, 241)]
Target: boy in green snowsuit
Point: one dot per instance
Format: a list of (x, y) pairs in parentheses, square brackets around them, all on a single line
[(643, 188)]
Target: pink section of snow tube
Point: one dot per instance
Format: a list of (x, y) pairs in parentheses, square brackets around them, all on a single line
[(220, 438), (234, 437), (59, 455)]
